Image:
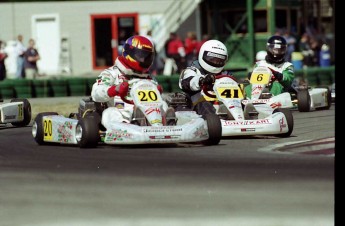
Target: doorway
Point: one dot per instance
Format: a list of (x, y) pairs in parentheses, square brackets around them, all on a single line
[(46, 33), (109, 32)]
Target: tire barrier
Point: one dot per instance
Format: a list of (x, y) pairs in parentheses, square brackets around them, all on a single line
[(81, 86)]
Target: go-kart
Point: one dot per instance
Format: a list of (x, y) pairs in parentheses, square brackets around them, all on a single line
[(149, 123), (17, 112), (302, 97), (241, 117)]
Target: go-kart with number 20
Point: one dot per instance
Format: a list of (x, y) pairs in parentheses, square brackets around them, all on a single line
[(244, 119), (149, 123)]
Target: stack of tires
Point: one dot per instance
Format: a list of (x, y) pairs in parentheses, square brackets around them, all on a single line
[(7, 89)]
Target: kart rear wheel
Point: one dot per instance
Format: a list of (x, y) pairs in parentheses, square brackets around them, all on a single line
[(38, 127), (303, 100), (26, 113), (170, 117), (214, 129), (328, 100), (87, 132), (289, 121), (139, 118)]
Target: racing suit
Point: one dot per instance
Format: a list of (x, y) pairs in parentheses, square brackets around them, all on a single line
[(283, 72), (117, 110), (189, 83)]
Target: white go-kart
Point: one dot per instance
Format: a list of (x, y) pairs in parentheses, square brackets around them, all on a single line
[(240, 117), (149, 124), (16, 112), (302, 97)]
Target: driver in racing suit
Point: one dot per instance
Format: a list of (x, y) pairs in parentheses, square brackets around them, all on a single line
[(135, 61), (283, 71), (211, 60)]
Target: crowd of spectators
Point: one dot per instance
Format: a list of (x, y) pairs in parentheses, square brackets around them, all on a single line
[(180, 52)]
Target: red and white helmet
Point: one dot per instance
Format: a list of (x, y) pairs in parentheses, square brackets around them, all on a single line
[(212, 56), (138, 54)]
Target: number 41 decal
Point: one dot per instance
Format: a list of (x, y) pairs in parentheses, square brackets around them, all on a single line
[(230, 92)]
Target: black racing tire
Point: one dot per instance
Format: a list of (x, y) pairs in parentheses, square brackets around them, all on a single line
[(289, 121), (303, 100), (140, 118), (214, 126), (329, 98), (87, 132), (38, 127), (170, 117), (27, 113)]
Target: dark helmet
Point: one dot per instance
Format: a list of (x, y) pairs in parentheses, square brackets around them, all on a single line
[(276, 49), (138, 53)]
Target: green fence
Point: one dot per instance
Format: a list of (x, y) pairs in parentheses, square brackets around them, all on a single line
[(80, 86)]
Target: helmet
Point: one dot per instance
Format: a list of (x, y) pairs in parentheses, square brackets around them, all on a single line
[(138, 53), (276, 49), (213, 56), (260, 55)]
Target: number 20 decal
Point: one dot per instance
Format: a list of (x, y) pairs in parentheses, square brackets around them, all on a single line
[(147, 95), (47, 129)]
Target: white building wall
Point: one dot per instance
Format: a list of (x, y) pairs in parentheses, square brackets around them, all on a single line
[(75, 22)]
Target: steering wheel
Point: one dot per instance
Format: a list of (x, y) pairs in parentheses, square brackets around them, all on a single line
[(204, 87), (124, 98)]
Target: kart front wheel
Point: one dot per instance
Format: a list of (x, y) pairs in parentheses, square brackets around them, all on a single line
[(26, 113), (289, 121), (214, 129), (87, 132), (303, 100), (38, 127)]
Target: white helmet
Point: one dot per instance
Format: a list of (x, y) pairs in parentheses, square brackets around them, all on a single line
[(261, 55), (212, 56)]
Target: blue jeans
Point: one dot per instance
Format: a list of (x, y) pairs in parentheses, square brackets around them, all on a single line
[(20, 67)]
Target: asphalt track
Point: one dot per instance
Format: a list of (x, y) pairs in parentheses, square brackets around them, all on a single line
[(255, 181)]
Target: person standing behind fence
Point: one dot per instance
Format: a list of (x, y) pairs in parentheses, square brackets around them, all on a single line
[(3, 56), (31, 58), (20, 50), (190, 44), (176, 51)]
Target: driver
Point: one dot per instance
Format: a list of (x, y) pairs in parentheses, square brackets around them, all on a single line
[(282, 70), (135, 61), (212, 58)]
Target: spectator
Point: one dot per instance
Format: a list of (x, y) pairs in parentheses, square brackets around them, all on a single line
[(20, 50), (291, 42), (190, 44), (3, 56), (31, 58), (316, 47), (205, 38), (176, 51), (306, 50)]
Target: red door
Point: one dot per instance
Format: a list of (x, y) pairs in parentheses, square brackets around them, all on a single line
[(109, 32)]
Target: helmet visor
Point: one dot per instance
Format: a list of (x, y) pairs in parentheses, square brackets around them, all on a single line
[(142, 56), (214, 59), (276, 49)]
